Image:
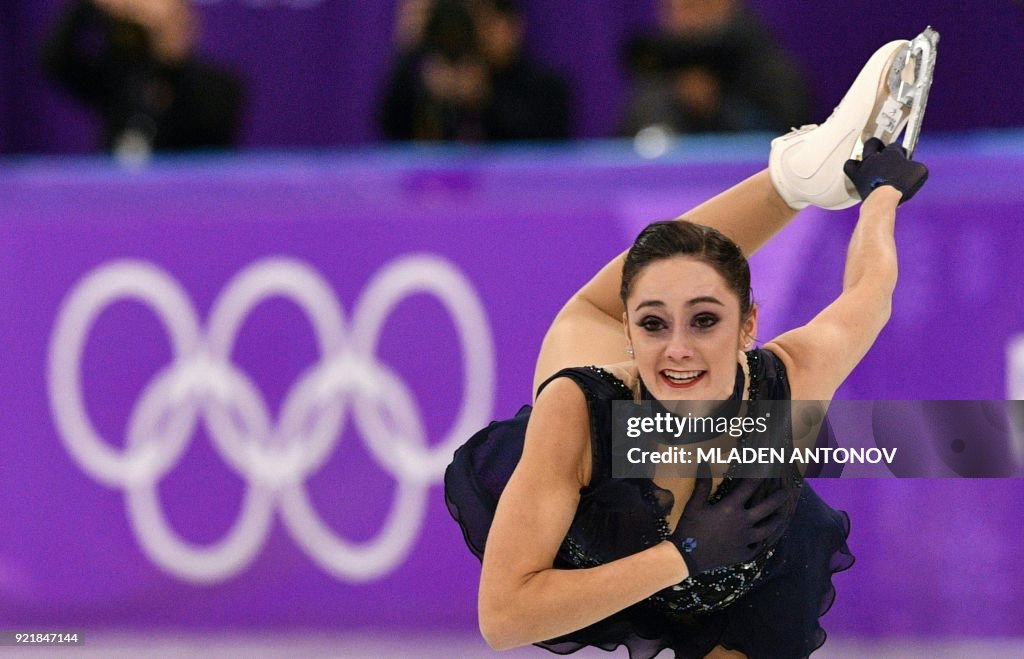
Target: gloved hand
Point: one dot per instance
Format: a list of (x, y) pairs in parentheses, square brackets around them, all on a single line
[(885, 165), (711, 535)]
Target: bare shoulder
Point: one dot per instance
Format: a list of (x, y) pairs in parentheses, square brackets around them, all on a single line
[(558, 435), (778, 349), (805, 383)]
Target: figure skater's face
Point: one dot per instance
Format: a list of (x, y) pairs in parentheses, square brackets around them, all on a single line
[(684, 325)]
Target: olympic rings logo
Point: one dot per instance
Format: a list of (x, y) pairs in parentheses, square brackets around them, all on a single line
[(273, 456)]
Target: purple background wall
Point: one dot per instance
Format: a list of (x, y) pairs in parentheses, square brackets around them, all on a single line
[(935, 558), (315, 72)]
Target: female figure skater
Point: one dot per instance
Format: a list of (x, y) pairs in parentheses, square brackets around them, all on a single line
[(574, 557)]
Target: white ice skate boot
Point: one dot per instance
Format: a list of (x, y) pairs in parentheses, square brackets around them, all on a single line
[(890, 94)]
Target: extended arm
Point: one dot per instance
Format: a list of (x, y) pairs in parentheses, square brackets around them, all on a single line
[(588, 329), (821, 354)]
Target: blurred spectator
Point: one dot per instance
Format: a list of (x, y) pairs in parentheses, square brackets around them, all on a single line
[(134, 63), (465, 77), (438, 87), (410, 23), (527, 102), (711, 66)]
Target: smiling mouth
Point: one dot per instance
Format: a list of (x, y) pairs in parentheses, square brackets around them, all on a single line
[(681, 379)]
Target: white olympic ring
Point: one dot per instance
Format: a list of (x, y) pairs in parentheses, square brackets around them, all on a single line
[(1015, 368), (273, 458)]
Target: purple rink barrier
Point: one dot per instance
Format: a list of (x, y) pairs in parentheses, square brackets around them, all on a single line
[(187, 443)]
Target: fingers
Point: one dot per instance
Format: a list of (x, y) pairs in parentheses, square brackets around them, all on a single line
[(885, 165), (744, 490), (873, 146), (851, 167), (912, 190), (701, 489), (772, 504), (768, 528)]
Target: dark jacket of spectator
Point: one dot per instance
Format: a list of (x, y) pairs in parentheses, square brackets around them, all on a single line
[(457, 86), (109, 64), (727, 78), (527, 103)]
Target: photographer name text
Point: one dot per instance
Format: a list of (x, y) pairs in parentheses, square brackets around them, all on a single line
[(747, 455)]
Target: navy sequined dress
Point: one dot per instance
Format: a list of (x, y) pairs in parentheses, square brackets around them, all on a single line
[(766, 608)]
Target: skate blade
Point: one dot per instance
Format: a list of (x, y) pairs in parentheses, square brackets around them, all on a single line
[(910, 79), (923, 51)]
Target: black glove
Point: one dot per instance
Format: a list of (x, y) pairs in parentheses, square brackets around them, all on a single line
[(711, 535), (885, 165)]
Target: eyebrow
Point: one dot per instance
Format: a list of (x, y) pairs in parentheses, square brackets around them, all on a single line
[(697, 300)]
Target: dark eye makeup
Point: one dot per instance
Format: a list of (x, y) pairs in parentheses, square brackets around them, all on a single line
[(702, 321), (652, 323), (705, 320)]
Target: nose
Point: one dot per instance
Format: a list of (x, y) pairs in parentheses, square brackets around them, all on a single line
[(679, 347)]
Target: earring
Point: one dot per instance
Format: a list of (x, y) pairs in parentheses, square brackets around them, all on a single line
[(629, 350)]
